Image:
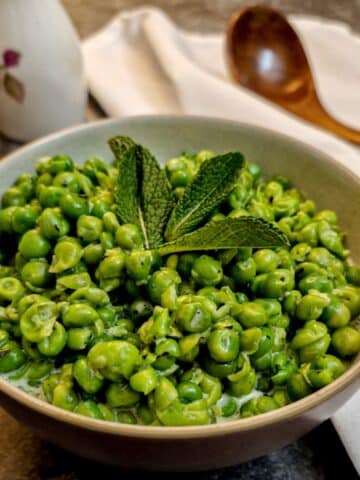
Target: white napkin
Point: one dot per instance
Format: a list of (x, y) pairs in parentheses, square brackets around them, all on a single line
[(141, 63)]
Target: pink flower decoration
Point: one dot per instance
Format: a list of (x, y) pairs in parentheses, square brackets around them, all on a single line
[(11, 58)]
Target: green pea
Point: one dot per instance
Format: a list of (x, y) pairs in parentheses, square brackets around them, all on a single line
[(311, 306), (52, 224), (112, 266), (228, 407), (218, 370), (207, 271), (350, 296), (144, 381), (223, 345), (49, 196), (180, 171), (79, 338), (266, 260), (114, 359), (139, 264), (309, 234), (336, 314), (54, 165), (128, 236), (315, 282), (193, 317), (291, 302), (75, 281), (79, 315), (89, 228), (185, 264), (35, 274), (277, 283), (64, 397), (189, 392), (160, 281), (11, 358), (67, 254), (249, 314), (297, 387), (257, 406), (23, 219), (13, 197), (10, 289), (73, 206), (353, 275), (324, 370), (99, 207), (88, 379), (311, 341), (93, 253), (346, 341), (34, 245), (6, 219), (38, 321), (244, 271), (89, 408), (52, 345), (330, 239), (127, 417), (121, 395), (38, 370)]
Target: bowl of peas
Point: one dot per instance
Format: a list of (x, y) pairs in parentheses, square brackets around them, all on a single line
[(176, 293)]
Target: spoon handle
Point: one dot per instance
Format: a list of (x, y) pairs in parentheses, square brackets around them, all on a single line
[(312, 110)]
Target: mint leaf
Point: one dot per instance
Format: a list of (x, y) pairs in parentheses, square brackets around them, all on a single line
[(228, 233), (213, 183), (143, 194)]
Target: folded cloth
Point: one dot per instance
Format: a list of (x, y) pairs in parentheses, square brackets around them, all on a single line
[(141, 63)]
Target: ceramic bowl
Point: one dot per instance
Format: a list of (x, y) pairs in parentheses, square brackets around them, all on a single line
[(193, 448)]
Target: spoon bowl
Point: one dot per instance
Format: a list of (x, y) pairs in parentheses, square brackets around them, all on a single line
[(265, 54)]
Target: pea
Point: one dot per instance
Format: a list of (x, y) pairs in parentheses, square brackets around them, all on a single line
[(206, 271), (297, 387), (144, 381), (73, 206), (13, 197), (49, 196), (23, 219), (193, 317), (244, 271), (139, 264), (228, 407), (128, 236), (34, 245), (89, 228), (249, 314), (79, 338), (52, 224), (38, 321), (67, 254), (93, 253), (52, 345), (223, 345), (35, 274), (346, 341), (87, 378), (89, 408), (121, 395), (10, 289), (127, 417), (265, 260), (11, 358), (114, 359), (79, 315), (189, 392)]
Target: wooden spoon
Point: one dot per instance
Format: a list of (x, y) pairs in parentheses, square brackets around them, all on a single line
[(265, 55)]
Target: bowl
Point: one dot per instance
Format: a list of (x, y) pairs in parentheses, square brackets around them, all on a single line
[(193, 448)]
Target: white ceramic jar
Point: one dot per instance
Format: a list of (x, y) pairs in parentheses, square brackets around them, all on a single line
[(42, 87)]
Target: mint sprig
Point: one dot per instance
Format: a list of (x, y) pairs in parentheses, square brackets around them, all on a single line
[(229, 233), (216, 178), (143, 193), (144, 197)]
